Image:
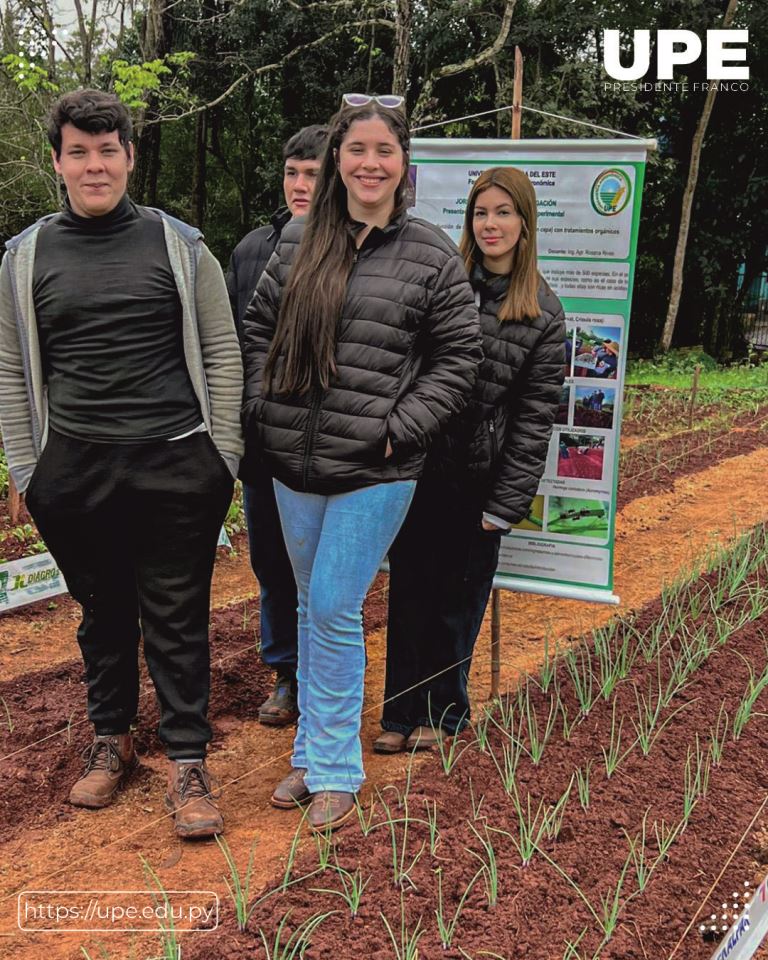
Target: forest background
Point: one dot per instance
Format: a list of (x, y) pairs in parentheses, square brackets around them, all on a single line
[(216, 86)]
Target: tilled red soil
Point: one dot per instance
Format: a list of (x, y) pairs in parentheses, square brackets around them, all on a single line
[(40, 757), (664, 461), (538, 911)]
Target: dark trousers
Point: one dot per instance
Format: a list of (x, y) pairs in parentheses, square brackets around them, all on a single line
[(133, 528), (270, 562), (442, 565)]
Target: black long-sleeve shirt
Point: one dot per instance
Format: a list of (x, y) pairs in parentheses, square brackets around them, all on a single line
[(110, 324)]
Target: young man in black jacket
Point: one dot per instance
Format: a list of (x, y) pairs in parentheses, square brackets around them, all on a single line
[(302, 155)]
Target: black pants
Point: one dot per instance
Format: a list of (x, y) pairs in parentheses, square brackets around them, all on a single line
[(272, 566), (441, 574), (133, 528)]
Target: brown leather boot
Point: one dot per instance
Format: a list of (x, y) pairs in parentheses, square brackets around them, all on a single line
[(330, 809), (280, 708), (425, 738), (291, 791), (108, 760), (389, 742), (191, 799)]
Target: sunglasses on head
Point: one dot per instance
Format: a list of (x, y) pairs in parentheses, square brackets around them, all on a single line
[(389, 100)]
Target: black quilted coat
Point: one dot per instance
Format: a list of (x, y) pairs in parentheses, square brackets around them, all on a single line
[(499, 443), (407, 353)]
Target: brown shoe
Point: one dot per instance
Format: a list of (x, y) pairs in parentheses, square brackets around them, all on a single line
[(280, 708), (329, 810), (108, 760), (425, 738), (389, 742), (191, 799), (291, 790)]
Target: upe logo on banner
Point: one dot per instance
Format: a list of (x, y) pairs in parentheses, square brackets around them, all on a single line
[(667, 57)]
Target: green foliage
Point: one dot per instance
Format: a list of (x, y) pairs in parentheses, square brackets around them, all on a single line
[(134, 81), (677, 361), (4, 475), (676, 372), (25, 535), (27, 76), (234, 522)]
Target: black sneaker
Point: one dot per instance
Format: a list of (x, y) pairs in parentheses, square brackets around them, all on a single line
[(280, 709)]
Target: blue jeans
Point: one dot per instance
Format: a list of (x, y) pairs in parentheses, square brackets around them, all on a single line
[(336, 544), (272, 566)]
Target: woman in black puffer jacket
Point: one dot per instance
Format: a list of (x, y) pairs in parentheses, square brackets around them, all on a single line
[(481, 475), (360, 343)]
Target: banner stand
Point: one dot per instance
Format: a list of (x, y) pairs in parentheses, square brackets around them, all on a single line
[(515, 134), (588, 198), (495, 642)]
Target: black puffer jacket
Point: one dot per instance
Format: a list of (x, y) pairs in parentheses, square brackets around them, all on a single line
[(247, 263), (499, 443), (407, 351)]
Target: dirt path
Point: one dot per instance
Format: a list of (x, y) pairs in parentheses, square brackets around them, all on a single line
[(657, 537)]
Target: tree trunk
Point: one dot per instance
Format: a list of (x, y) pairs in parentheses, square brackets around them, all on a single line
[(371, 48), (84, 33), (155, 43), (403, 24), (199, 191), (685, 216)]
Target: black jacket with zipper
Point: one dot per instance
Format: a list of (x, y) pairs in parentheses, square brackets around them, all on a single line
[(407, 352), (247, 263), (497, 448)]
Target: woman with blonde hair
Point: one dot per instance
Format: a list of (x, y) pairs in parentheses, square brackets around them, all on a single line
[(481, 475)]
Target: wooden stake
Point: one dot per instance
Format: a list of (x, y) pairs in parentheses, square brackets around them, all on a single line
[(517, 101), (517, 96), (14, 501), (495, 642), (694, 391)]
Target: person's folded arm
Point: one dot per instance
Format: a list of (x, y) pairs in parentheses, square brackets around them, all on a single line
[(454, 349)]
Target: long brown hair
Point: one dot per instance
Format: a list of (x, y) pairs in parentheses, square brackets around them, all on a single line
[(311, 303), (521, 301)]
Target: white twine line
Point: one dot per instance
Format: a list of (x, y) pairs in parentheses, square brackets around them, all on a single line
[(544, 113)]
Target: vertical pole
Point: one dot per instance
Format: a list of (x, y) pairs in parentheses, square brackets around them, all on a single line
[(517, 95), (517, 100), (14, 501), (495, 642), (694, 391)]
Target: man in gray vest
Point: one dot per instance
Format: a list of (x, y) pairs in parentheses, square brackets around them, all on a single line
[(120, 390)]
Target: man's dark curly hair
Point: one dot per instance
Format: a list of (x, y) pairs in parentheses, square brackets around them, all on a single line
[(92, 111)]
